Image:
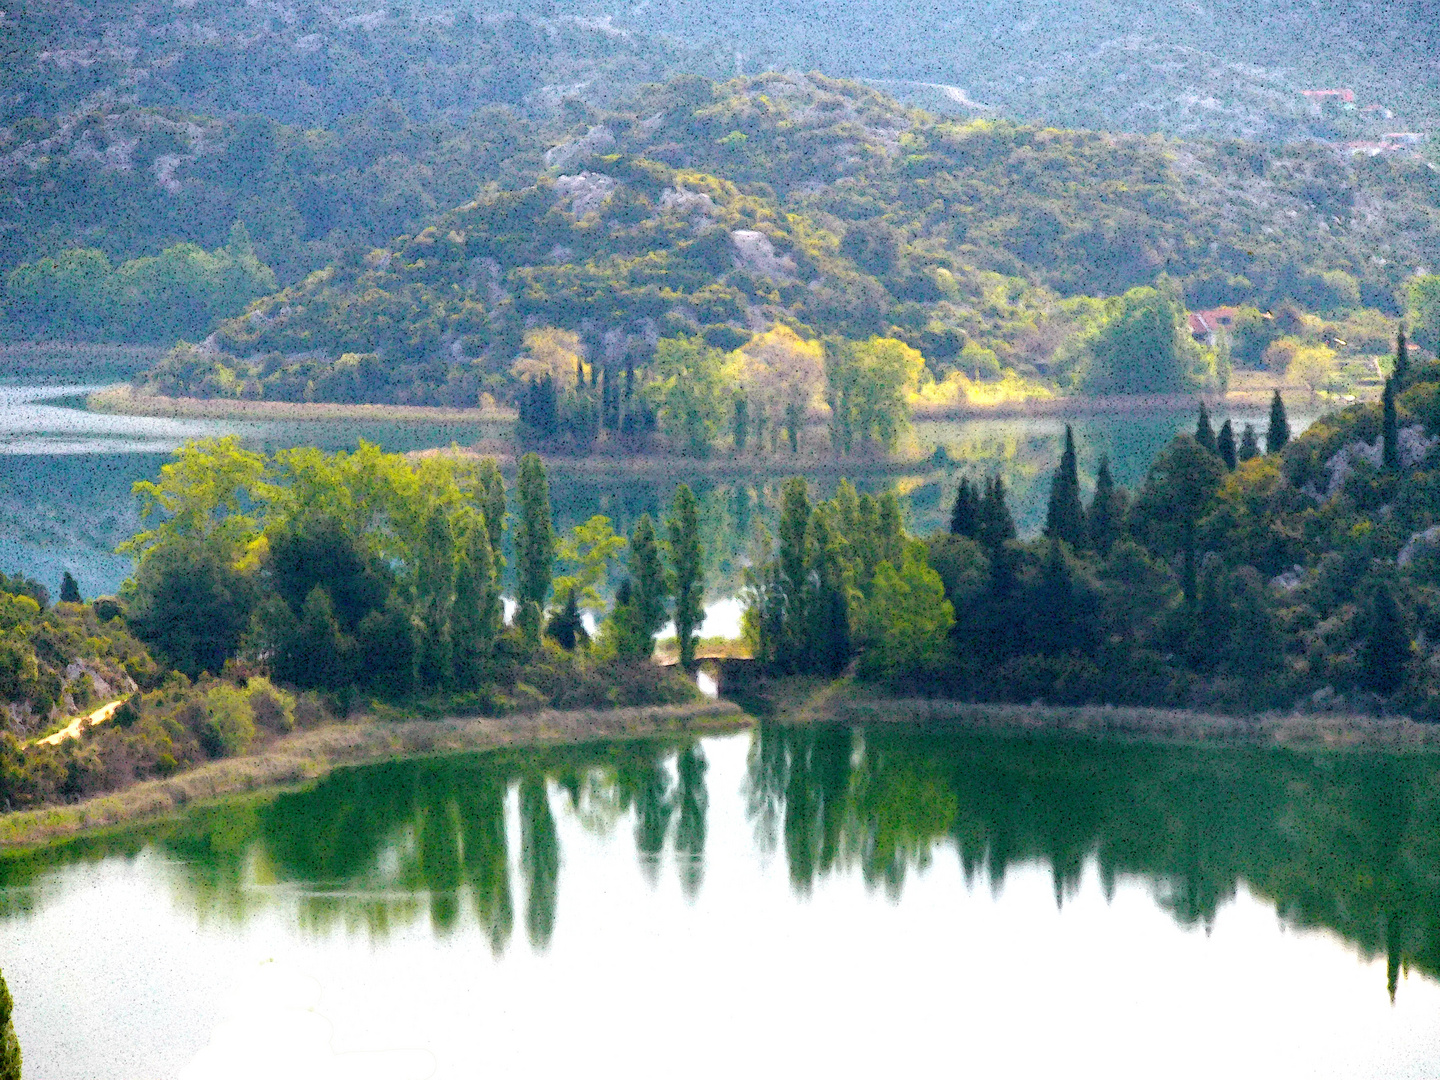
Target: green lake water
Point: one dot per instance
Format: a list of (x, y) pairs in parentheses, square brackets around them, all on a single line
[(66, 475), (828, 901)]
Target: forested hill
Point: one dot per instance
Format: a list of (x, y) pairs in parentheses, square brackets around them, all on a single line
[(1201, 68), (827, 205), (129, 127)]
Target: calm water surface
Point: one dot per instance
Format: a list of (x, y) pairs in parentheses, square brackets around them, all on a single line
[(827, 901), (66, 475)]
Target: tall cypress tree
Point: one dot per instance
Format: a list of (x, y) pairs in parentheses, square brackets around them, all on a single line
[(1225, 445), (996, 524), (1204, 433), (965, 513), (69, 589), (1389, 428), (1249, 444), (1065, 518), (534, 542), (1279, 432), (435, 597), (687, 571), (1386, 655), (1104, 517), (1401, 371)]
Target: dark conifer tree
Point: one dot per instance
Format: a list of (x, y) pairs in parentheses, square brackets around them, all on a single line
[(996, 524), (1386, 655), (742, 424), (629, 379), (1204, 433), (566, 627), (965, 514), (69, 589), (1249, 444), (1402, 359), (1279, 432), (1389, 429), (1225, 445), (1106, 510), (1065, 518)]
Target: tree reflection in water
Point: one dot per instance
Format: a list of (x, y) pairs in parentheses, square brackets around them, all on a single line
[(1349, 841)]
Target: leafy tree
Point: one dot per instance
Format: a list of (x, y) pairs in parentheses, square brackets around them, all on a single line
[(69, 589), (1386, 654), (647, 587), (1143, 347), (534, 536), (870, 384), (386, 642), (906, 621), (691, 392), (1278, 433), (1225, 445), (434, 597), (687, 571), (188, 602), (1389, 428), (587, 550), (476, 613), (1065, 517), (10, 1056), (1249, 444)]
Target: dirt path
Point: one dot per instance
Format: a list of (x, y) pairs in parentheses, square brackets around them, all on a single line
[(72, 729)]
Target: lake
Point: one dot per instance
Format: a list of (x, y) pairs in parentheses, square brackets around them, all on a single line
[(66, 475), (894, 900)]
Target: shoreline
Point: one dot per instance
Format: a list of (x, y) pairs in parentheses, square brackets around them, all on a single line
[(1183, 727), (122, 401), (305, 756)]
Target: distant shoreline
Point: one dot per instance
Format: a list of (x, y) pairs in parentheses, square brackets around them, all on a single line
[(309, 755), (123, 401)]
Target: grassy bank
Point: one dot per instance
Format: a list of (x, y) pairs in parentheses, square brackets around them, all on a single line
[(124, 401), (308, 755), (1293, 731)]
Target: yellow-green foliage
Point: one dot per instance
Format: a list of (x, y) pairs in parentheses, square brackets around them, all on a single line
[(229, 722)]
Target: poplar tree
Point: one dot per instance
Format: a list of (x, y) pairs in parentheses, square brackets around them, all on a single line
[(1386, 655), (647, 585), (1389, 428), (1402, 358), (827, 603), (1279, 431), (491, 497), (965, 513), (1249, 444), (1225, 445), (10, 1056), (475, 616), (435, 595), (1204, 433), (687, 571), (534, 543), (794, 521), (1065, 518)]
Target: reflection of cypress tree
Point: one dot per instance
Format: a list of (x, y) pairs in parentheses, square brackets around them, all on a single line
[(1204, 433), (1389, 429), (439, 859), (1401, 371), (1065, 518), (645, 785), (691, 803), (539, 860), (1393, 959), (1225, 445), (487, 857)]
